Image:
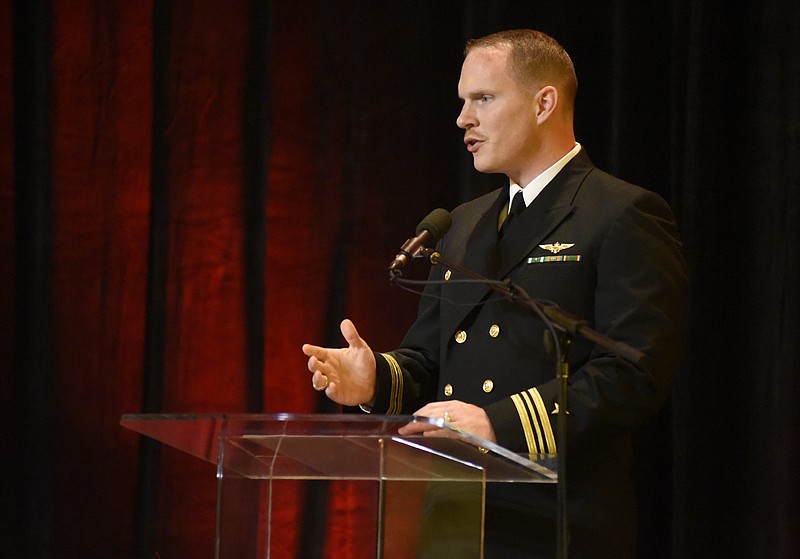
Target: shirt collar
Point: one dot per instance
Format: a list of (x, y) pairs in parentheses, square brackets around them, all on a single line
[(535, 187)]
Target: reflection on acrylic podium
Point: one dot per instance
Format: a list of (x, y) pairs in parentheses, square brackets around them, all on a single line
[(428, 493)]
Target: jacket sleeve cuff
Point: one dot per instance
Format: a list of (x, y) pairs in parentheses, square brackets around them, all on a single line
[(388, 386), (522, 423)]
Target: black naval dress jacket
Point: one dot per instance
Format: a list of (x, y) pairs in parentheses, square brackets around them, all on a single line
[(602, 249)]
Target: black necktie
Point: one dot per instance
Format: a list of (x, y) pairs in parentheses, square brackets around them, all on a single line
[(517, 207)]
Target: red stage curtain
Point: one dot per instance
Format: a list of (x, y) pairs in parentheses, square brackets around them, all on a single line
[(337, 157), (101, 142)]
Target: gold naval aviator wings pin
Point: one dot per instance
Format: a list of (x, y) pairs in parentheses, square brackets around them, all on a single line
[(557, 247)]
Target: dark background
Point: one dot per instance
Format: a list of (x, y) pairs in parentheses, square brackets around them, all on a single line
[(189, 190)]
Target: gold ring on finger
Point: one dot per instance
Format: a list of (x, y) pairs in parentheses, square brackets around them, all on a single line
[(320, 388)]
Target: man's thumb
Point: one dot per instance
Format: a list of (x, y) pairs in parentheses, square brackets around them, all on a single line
[(350, 333)]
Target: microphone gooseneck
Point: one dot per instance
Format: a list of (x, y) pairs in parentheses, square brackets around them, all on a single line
[(435, 225)]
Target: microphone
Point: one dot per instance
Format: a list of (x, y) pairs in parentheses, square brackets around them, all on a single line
[(432, 228)]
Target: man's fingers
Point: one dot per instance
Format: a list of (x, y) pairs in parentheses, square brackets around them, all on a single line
[(416, 427), (319, 382), (314, 351), (330, 390), (435, 410), (316, 365), (317, 357)]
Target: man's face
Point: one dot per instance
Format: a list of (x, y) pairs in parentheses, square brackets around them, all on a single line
[(498, 116)]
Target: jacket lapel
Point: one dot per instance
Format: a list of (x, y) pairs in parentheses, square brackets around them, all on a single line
[(544, 214), (481, 251), (474, 251)]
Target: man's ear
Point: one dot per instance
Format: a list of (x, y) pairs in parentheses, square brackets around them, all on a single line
[(546, 101)]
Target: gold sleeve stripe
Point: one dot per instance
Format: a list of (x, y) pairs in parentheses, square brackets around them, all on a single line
[(396, 391), (526, 423), (535, 422), (544, 420), (540, 442)]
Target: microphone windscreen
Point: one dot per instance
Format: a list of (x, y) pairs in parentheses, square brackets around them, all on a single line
[(437, 223)]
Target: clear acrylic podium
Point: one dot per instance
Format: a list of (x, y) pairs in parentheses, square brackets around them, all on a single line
[(436, 486)]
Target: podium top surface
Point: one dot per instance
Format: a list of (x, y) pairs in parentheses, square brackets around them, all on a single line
[(338, 446)]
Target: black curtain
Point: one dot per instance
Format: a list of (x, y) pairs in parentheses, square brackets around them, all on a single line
[(736, 184)]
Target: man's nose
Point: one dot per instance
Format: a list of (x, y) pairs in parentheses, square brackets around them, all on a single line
[(466, 118)]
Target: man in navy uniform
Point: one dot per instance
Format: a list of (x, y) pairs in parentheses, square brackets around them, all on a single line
[(602, 249)]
